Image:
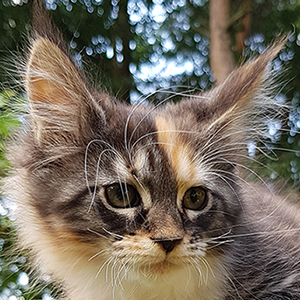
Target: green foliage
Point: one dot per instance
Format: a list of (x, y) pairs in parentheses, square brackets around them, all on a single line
[(8, 123), (11, 264)]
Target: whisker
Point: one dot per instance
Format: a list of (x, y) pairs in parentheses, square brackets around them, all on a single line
[(139, 182), (198, 268), (114, 234), (134, 108), (96, 179), (122, 267), (265, 233), (233, 284), (99, 234), (208, 268), (240, 178), (108, 261), (112, 272), (97, 254), (111, 148), (212, 141)]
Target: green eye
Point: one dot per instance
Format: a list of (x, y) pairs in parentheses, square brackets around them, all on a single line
[(120, 195), (195, 198)]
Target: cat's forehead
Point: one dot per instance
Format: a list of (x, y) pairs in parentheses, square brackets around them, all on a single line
[(159, 150), (178, 151)]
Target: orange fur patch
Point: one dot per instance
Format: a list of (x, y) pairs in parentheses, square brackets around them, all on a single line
[(178, 152)]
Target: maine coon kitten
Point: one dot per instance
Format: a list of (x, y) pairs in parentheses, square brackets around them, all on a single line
[(136, 202)]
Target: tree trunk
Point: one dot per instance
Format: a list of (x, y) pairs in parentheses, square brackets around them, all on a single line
[(244, 23), (121, 29), (221, 58)]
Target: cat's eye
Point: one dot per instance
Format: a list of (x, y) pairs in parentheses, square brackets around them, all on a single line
[(195, 198), (120, 195)]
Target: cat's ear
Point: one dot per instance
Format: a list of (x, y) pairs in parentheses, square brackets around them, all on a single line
[(59, 98), (245, 96)]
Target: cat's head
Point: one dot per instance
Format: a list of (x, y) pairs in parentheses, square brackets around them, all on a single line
[(133, 188)]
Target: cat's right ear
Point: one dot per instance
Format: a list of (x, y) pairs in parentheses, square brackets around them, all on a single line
[(244, 101), (60, 100)]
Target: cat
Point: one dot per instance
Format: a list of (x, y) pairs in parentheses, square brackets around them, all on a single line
[(119, 201)]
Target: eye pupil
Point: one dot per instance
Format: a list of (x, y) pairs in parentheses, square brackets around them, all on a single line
[(195, 198), (120, 195)]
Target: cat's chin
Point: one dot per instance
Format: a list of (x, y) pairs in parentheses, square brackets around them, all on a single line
[(161, 268)]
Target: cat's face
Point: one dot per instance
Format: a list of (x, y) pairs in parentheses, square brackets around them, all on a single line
[(151, 192), (131, 189)]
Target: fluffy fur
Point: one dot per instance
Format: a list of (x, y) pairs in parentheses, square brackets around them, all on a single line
[(80, 147)]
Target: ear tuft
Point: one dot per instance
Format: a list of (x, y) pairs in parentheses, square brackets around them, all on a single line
[(57, 94), (246, 82), (246, 88), (43, 26)]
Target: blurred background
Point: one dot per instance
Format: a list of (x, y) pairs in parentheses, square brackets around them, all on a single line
[(156, 49)]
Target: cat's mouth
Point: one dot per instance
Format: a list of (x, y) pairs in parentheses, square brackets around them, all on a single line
[(151, 261)]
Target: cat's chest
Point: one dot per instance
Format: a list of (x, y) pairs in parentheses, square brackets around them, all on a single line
[(186, 282)]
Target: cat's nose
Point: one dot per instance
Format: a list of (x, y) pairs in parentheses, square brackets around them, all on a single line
[(168, 244)]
